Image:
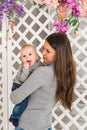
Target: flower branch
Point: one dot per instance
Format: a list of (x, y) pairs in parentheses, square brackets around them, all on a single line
[(67, 13), (12, 9)]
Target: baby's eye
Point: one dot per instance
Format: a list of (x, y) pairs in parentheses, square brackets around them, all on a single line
[(24, 55), (30, 54)]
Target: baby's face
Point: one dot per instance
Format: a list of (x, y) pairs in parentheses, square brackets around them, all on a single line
[(29, 55)]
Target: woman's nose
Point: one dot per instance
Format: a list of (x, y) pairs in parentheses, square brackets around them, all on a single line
[(44, 52)]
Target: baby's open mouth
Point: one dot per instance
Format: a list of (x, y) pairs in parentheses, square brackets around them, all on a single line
[(29, 62)]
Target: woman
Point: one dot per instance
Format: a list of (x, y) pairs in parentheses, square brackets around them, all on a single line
[(48, 84)]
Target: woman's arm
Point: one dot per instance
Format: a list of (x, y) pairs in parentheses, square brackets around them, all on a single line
[(35, 81)]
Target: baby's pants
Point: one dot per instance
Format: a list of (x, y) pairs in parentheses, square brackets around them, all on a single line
[(17, 128)]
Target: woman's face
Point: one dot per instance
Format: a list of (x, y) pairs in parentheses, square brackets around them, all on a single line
[(49, 54)]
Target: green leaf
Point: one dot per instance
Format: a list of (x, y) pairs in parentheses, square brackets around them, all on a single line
[(73, 22)]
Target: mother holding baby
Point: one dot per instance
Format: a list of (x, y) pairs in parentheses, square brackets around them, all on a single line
[(48, 84)]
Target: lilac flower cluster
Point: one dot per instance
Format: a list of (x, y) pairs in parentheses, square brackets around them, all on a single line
[(67, 11), (62, 1), (11, 8), (19, 10), (61, 26), (72, 18), (73, 4), (1, 13)]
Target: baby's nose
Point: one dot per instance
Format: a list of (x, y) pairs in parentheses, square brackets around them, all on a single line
[(27, 56)]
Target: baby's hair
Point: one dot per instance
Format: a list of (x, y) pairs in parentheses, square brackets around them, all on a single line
[(28, 45)]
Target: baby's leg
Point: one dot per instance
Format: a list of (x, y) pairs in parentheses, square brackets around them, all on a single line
[(18, 128), (50, 128)]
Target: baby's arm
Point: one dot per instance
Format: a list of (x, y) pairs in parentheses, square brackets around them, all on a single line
[(22, 74)]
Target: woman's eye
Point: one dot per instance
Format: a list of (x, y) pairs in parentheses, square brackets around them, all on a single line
[(48, 51)]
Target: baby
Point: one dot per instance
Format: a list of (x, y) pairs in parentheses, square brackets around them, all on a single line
[(30, 62)]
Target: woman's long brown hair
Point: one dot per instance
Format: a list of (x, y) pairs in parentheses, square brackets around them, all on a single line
[(64, 68)]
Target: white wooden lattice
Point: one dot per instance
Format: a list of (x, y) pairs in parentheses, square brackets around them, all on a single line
[(33, 27)]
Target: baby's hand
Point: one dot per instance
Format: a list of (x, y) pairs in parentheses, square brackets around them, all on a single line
[(26, 65)]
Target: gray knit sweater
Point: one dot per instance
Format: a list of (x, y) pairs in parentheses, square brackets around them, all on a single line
[(23, 73), (41, 85)]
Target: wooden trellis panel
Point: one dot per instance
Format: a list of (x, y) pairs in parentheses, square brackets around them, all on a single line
[(33, 27)]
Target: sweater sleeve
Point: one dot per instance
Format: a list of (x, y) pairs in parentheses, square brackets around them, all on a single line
[(35, 81), (22, 75)]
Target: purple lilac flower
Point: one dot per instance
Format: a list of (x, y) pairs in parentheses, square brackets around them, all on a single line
[(1, 8), (1, 13), (73, 5), (75, 11), (9, 5), (11, 8), (61, 26), (9, 1), (62, 1), (19, 10)]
